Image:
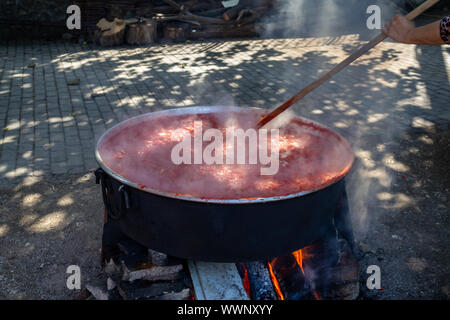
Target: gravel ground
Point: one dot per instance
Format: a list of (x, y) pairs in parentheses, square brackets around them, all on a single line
[(46, 226), (407, 230)]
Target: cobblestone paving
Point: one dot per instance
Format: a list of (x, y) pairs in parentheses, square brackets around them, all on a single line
[(56, 99)]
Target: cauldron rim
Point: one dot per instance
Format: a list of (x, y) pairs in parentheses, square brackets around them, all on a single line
[(212, 109)]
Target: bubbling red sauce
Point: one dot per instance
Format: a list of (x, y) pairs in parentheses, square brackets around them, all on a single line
[(139, 150)]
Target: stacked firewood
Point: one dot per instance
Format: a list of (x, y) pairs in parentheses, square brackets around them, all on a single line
[(138, 273), (178, 20)]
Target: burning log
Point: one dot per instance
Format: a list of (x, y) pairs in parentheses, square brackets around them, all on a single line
[(289, 278), (261, 287), (344, 276), (332, 270)]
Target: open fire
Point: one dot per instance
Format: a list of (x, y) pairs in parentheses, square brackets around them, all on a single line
[(298, 255), (195, 218), (311, 273), (325, 269)]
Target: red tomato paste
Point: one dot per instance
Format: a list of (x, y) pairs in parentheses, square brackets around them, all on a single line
[(139, 150)]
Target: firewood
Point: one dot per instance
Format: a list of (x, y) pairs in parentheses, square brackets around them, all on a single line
[(160, 9), (110, 28), (110, 284), (223, 31), (141, 33), (84, 294), (99, 292), (158, 258), (111, 268), (257, 3), (232, 12), (114, 12), (187, 16), (174, 33), (110, 33), (133, 253), (191, 18), (174, 4), (214, 13), (153, 274), (261, 287), (144, 290), (202, 7), (290, 277)]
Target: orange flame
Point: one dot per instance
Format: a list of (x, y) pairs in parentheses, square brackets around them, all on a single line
[(299, 256), (275, 283), (316, 295), (246, 282)]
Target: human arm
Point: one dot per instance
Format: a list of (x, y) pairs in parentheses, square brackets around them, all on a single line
[(402, 30)]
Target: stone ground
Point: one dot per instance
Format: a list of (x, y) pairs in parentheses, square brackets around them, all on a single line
[(56, 99)]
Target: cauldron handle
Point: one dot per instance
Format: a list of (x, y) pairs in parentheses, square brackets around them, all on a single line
[(125, 199), (100, 179)]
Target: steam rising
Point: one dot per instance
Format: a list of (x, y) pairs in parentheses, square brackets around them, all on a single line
[(305, 18), (335, 18), (141, 151)]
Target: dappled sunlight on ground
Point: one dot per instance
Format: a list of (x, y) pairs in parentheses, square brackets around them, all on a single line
[(392, 105), (44, 228)]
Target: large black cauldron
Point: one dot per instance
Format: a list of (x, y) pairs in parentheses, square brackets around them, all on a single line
[(217, 230)]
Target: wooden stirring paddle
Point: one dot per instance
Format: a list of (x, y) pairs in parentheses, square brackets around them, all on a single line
[(269, 117)]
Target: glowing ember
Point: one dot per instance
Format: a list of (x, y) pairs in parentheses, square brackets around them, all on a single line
[(316, 295), (246, 283), (299, 258), (275, 283)]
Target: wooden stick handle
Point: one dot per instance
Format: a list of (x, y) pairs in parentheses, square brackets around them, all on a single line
[(421, 9), (413, 14)]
